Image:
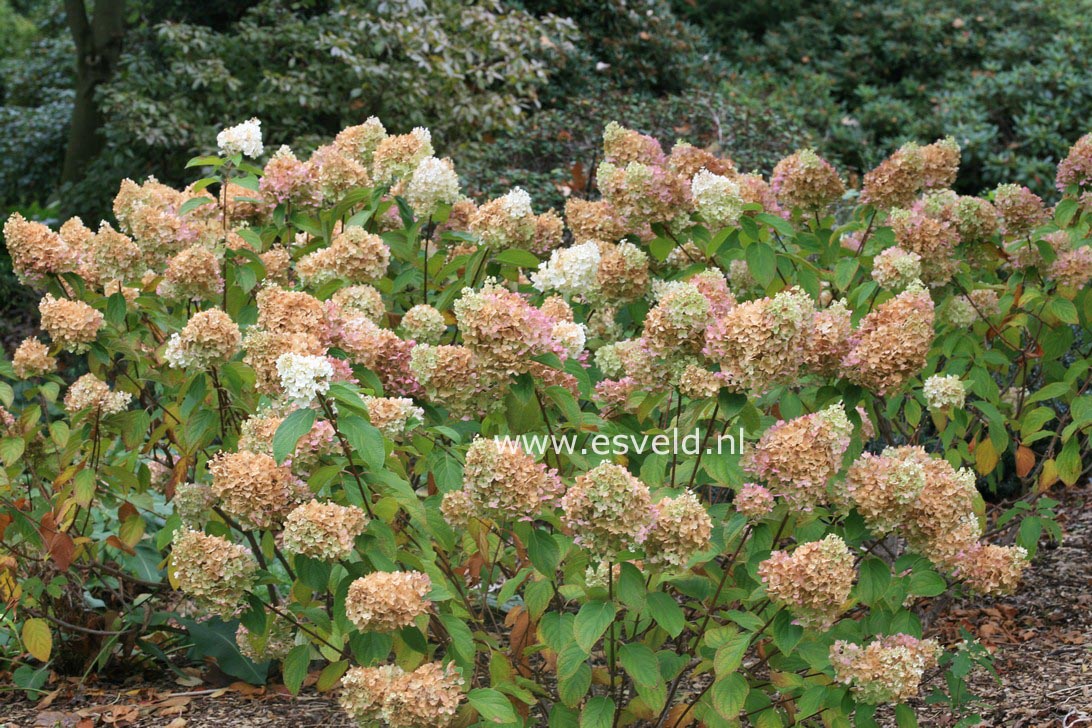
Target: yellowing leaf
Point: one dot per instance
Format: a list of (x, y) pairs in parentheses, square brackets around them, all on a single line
[(1048, 476), (985, 457), (37, 639)]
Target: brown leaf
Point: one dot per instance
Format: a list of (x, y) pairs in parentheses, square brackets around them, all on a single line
[(121, 545), (1025, 460)]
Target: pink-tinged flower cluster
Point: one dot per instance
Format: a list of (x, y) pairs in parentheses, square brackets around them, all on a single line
[(686, 160), (503, 329), (643, 193), (932, 239), (1076, 168), (594, 220), (680, 530), (1021, 210), (387, 601), (1072, 268), (286, 179), (208, 339), (506, 222), (827, 340), (36, 251), (973, 218), (380, 350), (212, 570), (797, 458), (622, 275), (503, 483), (608, 511), (892, 343), (804, 180), (323, 531), (897, 180), (991, 569), (428, 697), (622, 146), (887, 670), (761, 343), (814, 581), (754, 501)]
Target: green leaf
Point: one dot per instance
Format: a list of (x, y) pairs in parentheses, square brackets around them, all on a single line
[(730, 654), (295, 667), (517, 257), (598, 713), (667, 613), (11, 449), (762, 262), (330, 675), (294, 426), (365, 440), (591, 622), (194, 202), (927, 583), (641, 664), (207, 161), (728, 695), (1064, 310), (875, 577), (491, 705), (1069, 461), (904, 717), (844, 272), (115, 309), (544, 552)]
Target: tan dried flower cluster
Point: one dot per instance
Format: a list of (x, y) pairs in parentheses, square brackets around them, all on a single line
[(594, 220), (453, 377), (354, 255), (208, 339), (1021, 210), (212, 570), (681, 528), (90, 392), (504, 483), (761, 343), (273, 644), (32, 359), (754, 501), (387, 601), (622, 274), (193, 273), (887, 670), (892, 343), (391, 415), (428, 697), (992, 569), (608, 511), (36, 251), (827, 340), (882, 488), (897, 180), (73, 325), (323, 531), (502, 328), (814, 581), (506, 222), (252, 487), (896, 268), (677, 322)]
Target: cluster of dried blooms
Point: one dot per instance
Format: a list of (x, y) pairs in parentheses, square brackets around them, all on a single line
[(428, 697)]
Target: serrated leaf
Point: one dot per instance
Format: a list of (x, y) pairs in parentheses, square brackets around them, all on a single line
[(667, 613), (492, 705), (728, 695), (330, 675), (517, 257), (597, 713), (591, 622), (762, 262), (365, 440), (295, 667)]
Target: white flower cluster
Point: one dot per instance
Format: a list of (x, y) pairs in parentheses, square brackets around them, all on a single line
[(517, 203), (245, 139), (716, 198), (570, 271), (944, 392), (571, 336), (176, 355), (434, 183), (303, 376)]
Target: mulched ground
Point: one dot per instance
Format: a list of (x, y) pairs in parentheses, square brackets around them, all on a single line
[(1041, 640)]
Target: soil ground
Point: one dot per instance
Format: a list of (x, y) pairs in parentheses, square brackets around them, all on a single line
[(1041, 640)]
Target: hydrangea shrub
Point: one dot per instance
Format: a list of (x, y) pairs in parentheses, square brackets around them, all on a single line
[(300, 376)]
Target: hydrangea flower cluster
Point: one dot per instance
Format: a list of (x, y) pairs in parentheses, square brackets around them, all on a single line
[(895, 268), (681, 528), (944, 392), (323, 531), (73, 325), (209, 338), (813, 581), (887, 670), (32, 359), (502, 482), (387, 601), (244, 139), (608, 511), (212, 570), (304, 377), (90, 392), (806, 181), (252, 487), (428, 697), (393, 415), (892, 343)]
